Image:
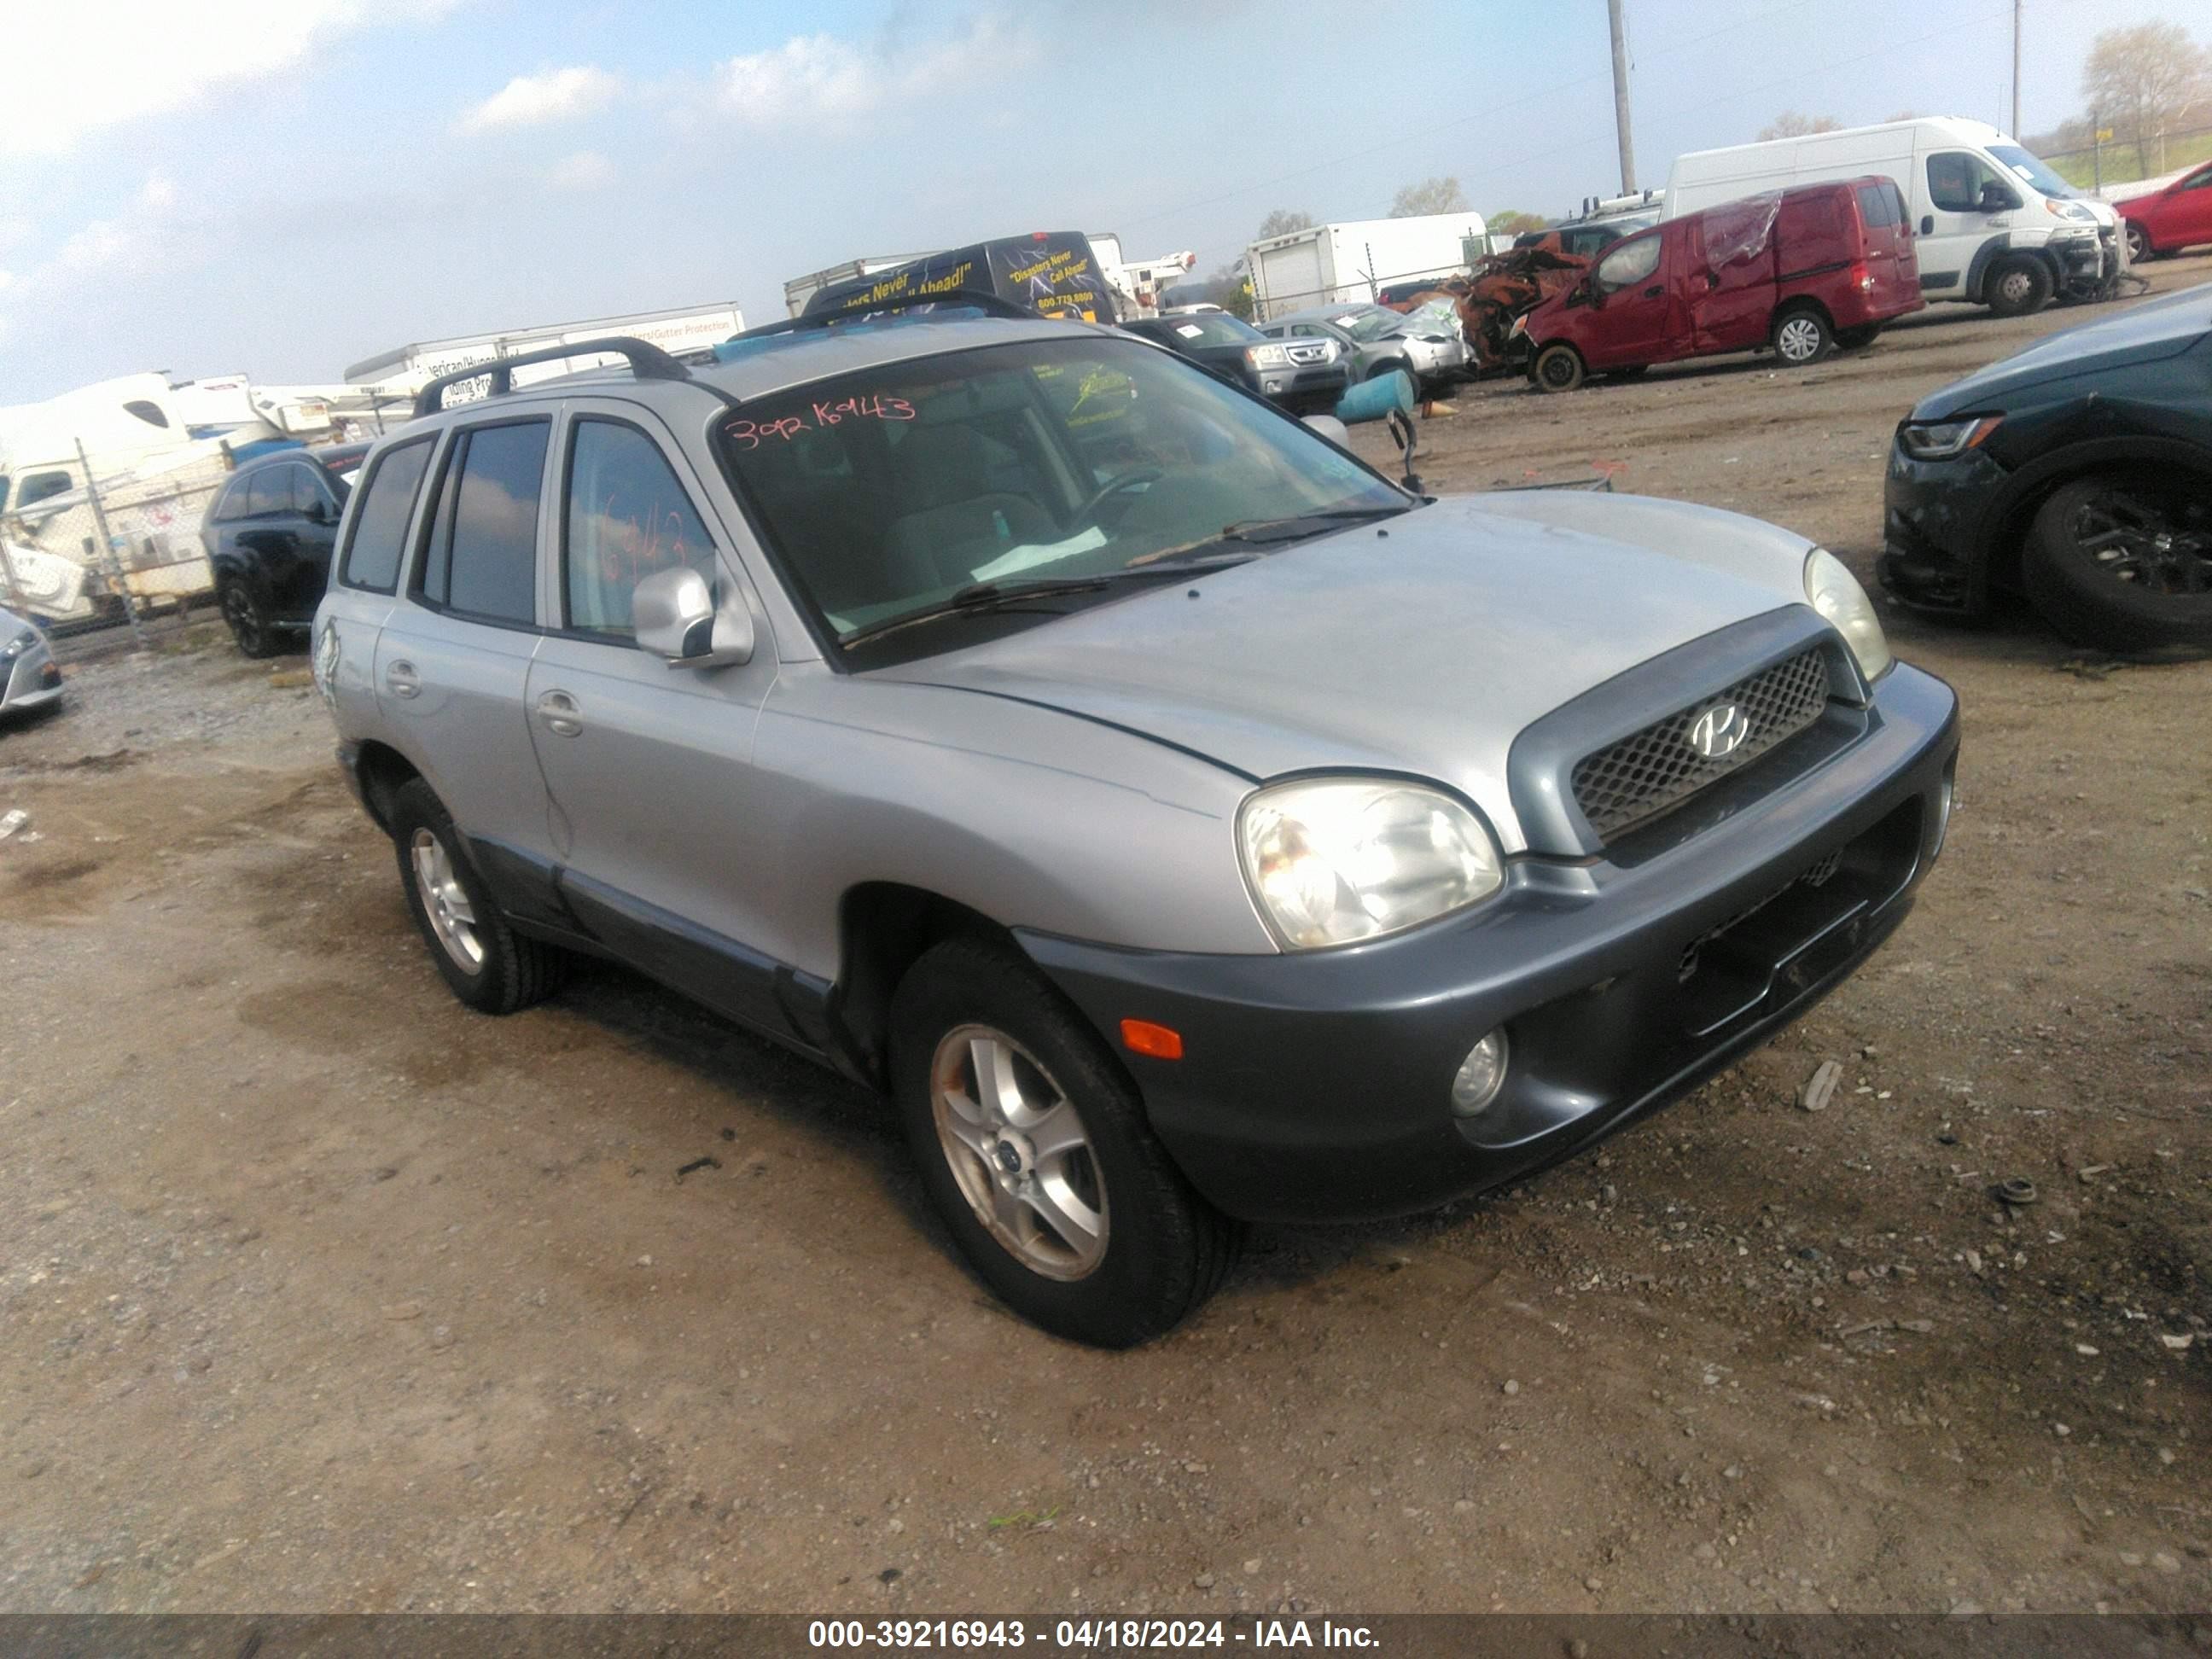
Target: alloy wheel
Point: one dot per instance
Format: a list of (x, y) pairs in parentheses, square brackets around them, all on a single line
[(1798, 340), (2132, 539), (446, 902), (1020, 1151), (239, 612)]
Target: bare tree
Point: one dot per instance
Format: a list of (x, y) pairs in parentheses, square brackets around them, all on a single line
[(1430, 196), (2143, 80), (1282, 221), (1790, 124), (1904, 115), (1513, 222)]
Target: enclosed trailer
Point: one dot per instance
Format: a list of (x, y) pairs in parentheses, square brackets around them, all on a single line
[(1349, 262)]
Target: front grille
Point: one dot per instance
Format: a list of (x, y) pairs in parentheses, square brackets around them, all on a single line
[(1308, 354), (1655, 770)]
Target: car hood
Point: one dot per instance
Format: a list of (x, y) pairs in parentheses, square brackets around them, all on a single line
[(1426, 650), (2164, 327)]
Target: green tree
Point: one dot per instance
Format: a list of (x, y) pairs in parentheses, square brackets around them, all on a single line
[(1514, 223), (1431, 195), (2144, 80)]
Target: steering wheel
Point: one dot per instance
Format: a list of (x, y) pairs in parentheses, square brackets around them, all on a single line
[(1129, 480)]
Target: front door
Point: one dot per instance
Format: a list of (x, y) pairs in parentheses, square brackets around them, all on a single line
[(2185, 217), (649, 767), (1636, 314), (1962, 213), (453, 660)]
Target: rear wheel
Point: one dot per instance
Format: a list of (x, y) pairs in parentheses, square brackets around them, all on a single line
[(487, 965), (1033, 1144), (2124, 562), (2018, 286), (249, 620), (1801, 337), (1557, 368)]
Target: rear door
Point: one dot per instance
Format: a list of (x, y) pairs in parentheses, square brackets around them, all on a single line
[(1728, 287), (314, 518), (649, 767), (1888, 243), (267, 536), (452, 663), (1637, 314)]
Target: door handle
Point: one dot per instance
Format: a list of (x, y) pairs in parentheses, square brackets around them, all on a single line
[(401, 679), (1654, 290), (558, 710)]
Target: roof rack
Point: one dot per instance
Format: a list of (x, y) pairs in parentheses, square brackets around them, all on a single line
[(982, 298), (647, 362)]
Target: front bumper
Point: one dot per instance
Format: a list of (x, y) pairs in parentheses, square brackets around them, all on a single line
[(1306, 390), (1935, 536), (1316, 1085), (30, 679)]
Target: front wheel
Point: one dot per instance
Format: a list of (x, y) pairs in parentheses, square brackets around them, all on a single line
[(1557, 368), (249, 620), (1033, 1145), (2139, 247), (2122, 563), (2019, 286), (1802, 337)]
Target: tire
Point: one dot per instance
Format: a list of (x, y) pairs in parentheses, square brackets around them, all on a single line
[(2017, 287), (487, 964), (1557, 368), (2143, 597), (248, 619), (1158, 1249), (1801, 337), (1859, 338), (2140, 250)]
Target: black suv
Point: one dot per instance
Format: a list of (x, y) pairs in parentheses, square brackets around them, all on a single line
[(268, 534)]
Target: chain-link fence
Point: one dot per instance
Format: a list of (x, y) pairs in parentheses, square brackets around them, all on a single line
[(107, 548)]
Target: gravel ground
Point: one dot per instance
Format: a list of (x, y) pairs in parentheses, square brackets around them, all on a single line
[(323, 1293)]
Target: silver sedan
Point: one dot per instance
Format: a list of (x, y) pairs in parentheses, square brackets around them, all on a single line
[(29, 674)]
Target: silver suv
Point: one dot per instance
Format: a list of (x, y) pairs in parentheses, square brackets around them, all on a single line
[(1181, 822)]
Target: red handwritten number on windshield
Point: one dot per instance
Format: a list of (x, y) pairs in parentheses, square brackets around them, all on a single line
[(749, 434)]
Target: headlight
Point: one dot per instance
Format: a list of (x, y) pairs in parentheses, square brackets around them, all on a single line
[(16, 647), (1835, 595), (1520, 327), (1335, 860), (1939, 440), (1266, 356), (2066, 210)]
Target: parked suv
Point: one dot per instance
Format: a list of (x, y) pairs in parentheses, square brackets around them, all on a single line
[(1180, 820), (1375, 341), (1304, 376), (269, 533)]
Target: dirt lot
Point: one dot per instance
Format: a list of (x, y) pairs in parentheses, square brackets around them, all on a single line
[(321, 1292)]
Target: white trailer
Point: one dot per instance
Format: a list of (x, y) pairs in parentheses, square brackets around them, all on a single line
[(1349, 262), (405, 369)]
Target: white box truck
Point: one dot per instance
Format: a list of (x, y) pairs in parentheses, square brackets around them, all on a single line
[(405, 369), (1991, 224), (1353, 261)]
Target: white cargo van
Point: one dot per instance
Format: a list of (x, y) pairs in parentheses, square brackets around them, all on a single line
[(1993, 225)]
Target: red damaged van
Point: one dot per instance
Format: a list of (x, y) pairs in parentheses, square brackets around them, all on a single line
[(1798, 271)]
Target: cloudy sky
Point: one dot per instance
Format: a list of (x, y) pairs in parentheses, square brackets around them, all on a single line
[(282, 187)]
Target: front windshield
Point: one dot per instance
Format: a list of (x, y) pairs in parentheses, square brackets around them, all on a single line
[(2033, 169), (887, 492), (1369, 325)]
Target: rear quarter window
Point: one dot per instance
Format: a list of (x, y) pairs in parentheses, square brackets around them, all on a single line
[(378, 536)]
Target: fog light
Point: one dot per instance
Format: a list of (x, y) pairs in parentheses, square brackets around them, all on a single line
[(1480, 1075)]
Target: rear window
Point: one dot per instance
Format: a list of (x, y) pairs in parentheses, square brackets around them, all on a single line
[(380, 525), (483, 542), (1878, 205)]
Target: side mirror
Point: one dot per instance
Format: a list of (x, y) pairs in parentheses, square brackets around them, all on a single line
[(319, 511), (676, 617), (1329, 428), (1995, 199)]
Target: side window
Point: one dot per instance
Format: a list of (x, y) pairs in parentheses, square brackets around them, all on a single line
[(1955, 181), (263, 493), (39, 485), (1877, 205), (1632, 262), (625, 517), (2200, 180), (308, 491), (232, 503), (483, 548), (374, 544)]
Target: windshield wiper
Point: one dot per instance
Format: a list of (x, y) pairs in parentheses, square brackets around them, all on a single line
[(978, 597), (1296, 525)]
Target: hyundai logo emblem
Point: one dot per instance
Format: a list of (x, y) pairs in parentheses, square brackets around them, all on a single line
[(1719, 731)]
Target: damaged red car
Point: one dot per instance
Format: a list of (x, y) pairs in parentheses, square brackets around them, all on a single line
[(1798, 272)]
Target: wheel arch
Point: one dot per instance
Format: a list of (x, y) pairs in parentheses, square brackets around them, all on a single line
[(884, 927), (383, 771), (2005, 534), (1797, 302)]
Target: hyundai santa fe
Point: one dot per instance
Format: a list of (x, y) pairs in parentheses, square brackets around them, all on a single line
[(1181, 822)]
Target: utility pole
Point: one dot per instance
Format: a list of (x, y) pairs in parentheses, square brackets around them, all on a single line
[(2015, 69), (1620, 98)]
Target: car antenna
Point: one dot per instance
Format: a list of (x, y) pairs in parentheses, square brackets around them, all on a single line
[(1401, 429)]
